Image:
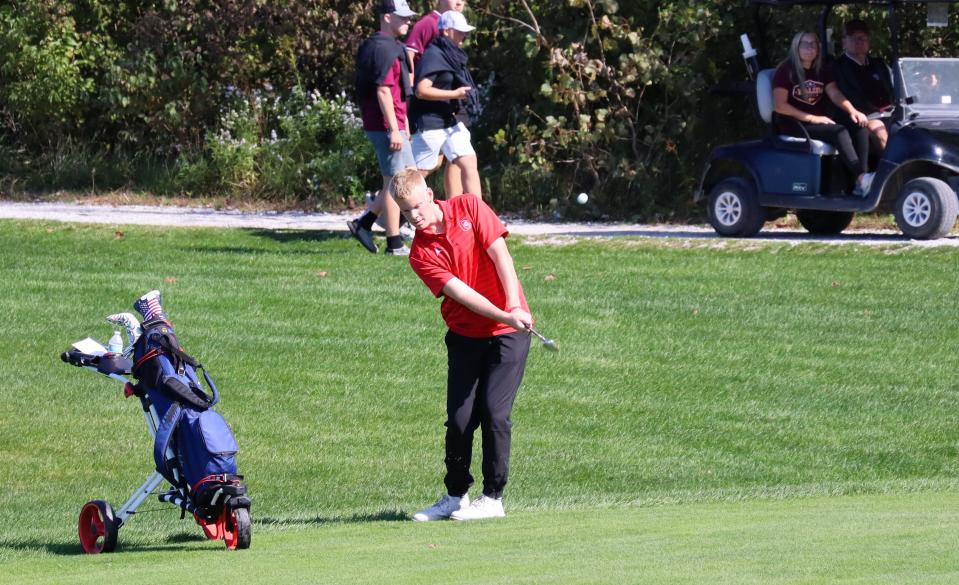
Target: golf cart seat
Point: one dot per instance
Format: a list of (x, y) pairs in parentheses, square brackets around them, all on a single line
[(764, 100)]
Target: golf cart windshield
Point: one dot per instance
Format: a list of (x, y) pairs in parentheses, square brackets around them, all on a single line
[(933, 85)]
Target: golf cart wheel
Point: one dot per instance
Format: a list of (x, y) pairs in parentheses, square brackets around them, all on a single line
[(926, 208), (734, 208), (239, 528), (98, 527), (826, 223)]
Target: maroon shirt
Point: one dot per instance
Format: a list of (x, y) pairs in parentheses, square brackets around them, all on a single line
[(373, 119), (809, 96), (424, 31)]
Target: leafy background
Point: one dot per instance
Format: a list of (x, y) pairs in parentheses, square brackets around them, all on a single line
[(193, 97)]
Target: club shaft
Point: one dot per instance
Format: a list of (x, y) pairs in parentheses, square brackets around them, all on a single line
[(537, 334)]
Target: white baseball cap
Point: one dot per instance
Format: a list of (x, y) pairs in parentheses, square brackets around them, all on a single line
[(455, 20)]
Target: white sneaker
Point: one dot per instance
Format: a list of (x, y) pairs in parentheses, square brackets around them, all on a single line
[(442, 509), (864, 184), (482, 507)]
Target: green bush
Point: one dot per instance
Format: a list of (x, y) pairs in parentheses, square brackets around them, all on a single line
[(608, 97), (298, 146)]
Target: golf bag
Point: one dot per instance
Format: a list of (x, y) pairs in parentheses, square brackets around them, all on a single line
[(200, 441), (194, 449)]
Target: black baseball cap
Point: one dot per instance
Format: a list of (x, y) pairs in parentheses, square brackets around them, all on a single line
[(397, 7), (855, 26)]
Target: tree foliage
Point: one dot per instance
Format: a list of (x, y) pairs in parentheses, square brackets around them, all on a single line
[(605, 96)]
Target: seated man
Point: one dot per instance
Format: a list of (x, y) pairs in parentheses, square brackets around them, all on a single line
[(863, 79)]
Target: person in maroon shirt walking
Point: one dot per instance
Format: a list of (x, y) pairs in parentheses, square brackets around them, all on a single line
[(459, 252), (383, 85), (800, 85)]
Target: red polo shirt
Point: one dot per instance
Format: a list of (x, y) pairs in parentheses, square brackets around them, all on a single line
[(471, 228)]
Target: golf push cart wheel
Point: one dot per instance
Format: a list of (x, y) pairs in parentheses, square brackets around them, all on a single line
[(926, 208), (734, 209), (98, 527), (239, 529), (826, 223)]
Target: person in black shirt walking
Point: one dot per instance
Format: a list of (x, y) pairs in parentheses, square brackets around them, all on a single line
[(445, 93)]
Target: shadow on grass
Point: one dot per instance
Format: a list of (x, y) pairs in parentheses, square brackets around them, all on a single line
[(177, 542), (286, 236), (382, 516)]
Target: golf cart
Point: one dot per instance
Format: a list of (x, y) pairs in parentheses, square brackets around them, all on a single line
[(917, 175)]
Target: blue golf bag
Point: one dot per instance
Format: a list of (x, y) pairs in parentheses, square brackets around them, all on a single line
[(194, 447)]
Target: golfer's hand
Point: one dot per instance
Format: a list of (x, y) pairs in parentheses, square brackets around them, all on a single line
[(460, 92), (520, 319), (396, 140), (859, 118)]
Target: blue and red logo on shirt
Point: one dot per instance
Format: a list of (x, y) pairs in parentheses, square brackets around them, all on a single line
[(808, 92)]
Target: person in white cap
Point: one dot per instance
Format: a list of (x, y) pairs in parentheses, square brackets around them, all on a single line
[(443, 92), (423, 33)]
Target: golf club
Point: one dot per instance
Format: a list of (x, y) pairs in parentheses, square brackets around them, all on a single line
[(547, 343)]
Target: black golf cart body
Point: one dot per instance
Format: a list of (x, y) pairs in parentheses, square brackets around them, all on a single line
[(916, 177)]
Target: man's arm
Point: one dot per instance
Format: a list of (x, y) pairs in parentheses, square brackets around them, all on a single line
[(503, 261), (465, 295), (385, 98), (426, 91), (411, 59)]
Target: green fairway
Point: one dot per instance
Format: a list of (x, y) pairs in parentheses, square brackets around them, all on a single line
[(740, 413), (876, 540)]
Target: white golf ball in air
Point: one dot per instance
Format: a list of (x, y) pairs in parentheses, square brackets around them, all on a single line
[(582, 198)]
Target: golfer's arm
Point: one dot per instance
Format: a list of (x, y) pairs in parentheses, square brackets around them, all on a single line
[(385, 98), (465, 295), (837, 97), (503, 261)]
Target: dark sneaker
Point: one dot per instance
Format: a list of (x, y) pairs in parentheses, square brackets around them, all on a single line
[(403, 251), (363, 235)]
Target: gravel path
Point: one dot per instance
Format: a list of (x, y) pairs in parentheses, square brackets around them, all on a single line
[(297, 220)]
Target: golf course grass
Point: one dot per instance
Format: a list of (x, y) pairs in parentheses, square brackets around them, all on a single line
[(719, 412)]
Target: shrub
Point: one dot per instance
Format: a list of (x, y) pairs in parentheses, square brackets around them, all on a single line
[(298, 146)]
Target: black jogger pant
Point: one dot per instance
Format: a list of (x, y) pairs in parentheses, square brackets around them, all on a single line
[(852, 144), (484, 375)]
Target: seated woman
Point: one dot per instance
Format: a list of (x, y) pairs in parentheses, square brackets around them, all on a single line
[(864, 79), (799, 85)]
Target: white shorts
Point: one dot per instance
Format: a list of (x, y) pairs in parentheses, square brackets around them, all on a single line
[(453, 142)]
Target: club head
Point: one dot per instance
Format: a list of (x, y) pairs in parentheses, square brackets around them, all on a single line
[(547, 343), (551, 345)]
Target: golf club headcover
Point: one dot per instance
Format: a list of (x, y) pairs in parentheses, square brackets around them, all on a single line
[(130, 323), (150, 306)]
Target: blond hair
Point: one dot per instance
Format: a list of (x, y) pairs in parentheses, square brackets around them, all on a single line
[(403, 183)]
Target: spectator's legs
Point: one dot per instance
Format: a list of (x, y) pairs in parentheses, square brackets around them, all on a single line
[(879, 134), (452, 180), (388, 208), (854, 157), (471, 180)]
